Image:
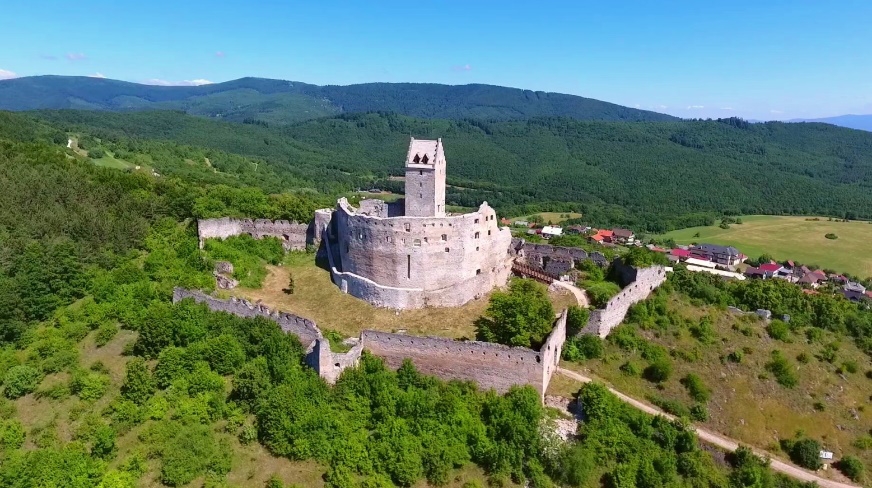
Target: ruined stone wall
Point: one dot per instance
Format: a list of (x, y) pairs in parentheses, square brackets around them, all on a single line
[(413, 262), (538, 255), (644, 281), (303, 328), (489, 365), (294, 236)]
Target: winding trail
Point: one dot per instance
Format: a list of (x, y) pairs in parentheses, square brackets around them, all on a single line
[(580, 295), (719, 440)]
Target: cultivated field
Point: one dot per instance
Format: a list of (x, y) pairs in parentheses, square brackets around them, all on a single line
[(793, 238), (555, 217)]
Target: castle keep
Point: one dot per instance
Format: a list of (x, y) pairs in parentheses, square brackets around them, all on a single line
[(413, 253)]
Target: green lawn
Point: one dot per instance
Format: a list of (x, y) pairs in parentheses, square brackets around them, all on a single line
[(794, 238), (556, 217)]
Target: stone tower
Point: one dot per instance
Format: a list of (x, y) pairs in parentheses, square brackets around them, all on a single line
[(425, 179)]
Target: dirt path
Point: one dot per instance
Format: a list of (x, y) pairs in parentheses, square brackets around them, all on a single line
[(578, 292), (721, 441)]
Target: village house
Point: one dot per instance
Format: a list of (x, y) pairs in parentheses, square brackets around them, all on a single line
[(550, 231), (623, 236), (602, 236), (723, 255)]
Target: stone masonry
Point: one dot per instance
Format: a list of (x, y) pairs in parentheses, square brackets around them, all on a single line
[(423, 257), (294, 236), (488, 365), (640, 283)]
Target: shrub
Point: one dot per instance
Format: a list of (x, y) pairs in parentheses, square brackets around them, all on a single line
[(831, 236), (851, 467), (703, 331), (782, 370), (105, 334), (850, 366), (863, 442), (696, 388), (600, 292), (778, 330), (89, 386), (670, 406), (803, 358), (699, 413), (735, 357), (58, 391), (138, 382), (20, 380), (658, 371), (828, 353), (630, 369), (587, 346), (806, 453)]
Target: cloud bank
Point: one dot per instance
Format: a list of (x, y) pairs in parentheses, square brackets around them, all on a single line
[(159, 82), (465, 67), (7, 75)]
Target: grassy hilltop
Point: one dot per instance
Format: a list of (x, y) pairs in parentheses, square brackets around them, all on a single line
[(798, 238)]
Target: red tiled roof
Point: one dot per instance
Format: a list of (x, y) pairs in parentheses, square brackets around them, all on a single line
[(770, 267), (597, 237), (681, 253)]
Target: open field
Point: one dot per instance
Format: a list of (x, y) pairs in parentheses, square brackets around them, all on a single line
[(317, 298), (793, 238), (746, 402), (555, 217)]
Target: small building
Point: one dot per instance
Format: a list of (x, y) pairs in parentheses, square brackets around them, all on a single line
[(577, 229), (623, 236), (701, 262), (603, 236), (719, 272), (521, 223), (752, 272), (812, 278), (826, 455), (855, 287), (771, 268), (551, 231), (725, 255), (854, 296), (680, 253)]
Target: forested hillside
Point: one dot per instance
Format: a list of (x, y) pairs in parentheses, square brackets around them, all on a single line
[(282, 102), (106, 383), (655, 176)]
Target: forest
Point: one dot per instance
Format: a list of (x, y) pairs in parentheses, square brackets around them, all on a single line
[(88, 260), (649, 176), (282, 102)]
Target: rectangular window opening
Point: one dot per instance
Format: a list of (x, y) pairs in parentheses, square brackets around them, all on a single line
[(408, 266)]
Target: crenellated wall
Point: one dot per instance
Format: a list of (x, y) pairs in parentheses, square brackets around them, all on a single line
[(641, 282), (294, 236), (488, 365)]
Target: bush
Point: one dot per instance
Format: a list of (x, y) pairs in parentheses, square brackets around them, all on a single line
[(803, 358), (630, 369), (831, 236), (20, 380), (96, 153), (699, 413), (850, 366), (138, 382), (851, 467), (89, 386), (696, 388), (735, 357), (587, 346), (658, 371), (778, 330), (806, 453), (782, 370), (105, 334), (600, 292)]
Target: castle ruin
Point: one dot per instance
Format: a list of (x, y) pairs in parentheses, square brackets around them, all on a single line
[(413, 253)]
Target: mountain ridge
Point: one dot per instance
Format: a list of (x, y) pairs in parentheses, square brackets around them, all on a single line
[(282, 102), (850, 121)]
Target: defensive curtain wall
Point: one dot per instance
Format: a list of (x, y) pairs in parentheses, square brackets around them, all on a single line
[(639, 284), (414, 262), (489, 365), (294, 236)]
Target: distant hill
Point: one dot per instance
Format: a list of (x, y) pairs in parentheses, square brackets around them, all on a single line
[(282, 102), (654, 175), (860, 122)]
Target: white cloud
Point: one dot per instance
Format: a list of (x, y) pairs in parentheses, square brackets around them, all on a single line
[(98, 75), (695, 107), (776, 112), (76, 56), (7, 75), (159, 82), (465, 67)]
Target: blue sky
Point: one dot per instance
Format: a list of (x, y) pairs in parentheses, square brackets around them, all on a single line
[(776, 59)]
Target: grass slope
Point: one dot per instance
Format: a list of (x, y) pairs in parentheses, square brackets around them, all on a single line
[(793, 238), (746, 402)]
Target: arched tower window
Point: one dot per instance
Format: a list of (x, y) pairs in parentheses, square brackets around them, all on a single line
[(425, 159), (416, 159)]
